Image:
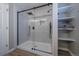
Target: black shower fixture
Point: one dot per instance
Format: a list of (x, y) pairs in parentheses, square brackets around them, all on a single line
[(30, 13)]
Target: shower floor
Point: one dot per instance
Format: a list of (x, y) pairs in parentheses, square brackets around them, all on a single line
[(27, 46)]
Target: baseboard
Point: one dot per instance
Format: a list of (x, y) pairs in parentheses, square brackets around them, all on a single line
[(9, 51)]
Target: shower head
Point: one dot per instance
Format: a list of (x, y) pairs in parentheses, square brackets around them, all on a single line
[(30, 13)]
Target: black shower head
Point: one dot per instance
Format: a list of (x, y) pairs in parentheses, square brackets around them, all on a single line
[(30, 13)]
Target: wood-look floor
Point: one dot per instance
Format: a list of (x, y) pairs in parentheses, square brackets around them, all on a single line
[(19, 52)]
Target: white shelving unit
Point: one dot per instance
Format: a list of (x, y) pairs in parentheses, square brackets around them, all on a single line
[(65, 18)]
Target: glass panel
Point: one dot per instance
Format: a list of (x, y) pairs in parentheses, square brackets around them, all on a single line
[(41, 30), (38, 39)]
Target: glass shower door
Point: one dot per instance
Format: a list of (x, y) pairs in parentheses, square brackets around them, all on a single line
[(42, 37), (40, 29)]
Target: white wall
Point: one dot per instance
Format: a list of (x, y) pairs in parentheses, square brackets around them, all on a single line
[(12, 26), (23, 27), (4, 28), (42, 31), (54, 22)]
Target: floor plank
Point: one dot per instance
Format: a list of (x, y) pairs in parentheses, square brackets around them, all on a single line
[(19, 52)]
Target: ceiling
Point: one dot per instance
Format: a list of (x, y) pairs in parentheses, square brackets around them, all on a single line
[(24, 6)]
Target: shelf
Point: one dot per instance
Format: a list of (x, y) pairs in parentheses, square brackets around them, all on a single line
[(64, 7), (67, 29), (66, 39), (65, 19), (65, 49)]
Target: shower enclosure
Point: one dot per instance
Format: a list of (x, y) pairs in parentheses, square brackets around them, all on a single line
[(35, 29)]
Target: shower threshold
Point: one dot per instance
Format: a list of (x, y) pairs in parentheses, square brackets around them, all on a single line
[(41, 50)]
